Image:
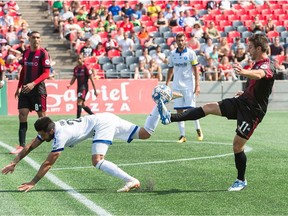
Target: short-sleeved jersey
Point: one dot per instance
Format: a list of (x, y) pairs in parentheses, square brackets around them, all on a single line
[(101, 127), (257, 92), (182, 63), (82, 73), (33, 63)]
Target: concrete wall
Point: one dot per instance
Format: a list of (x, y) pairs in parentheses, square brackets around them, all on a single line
[(212, 91)]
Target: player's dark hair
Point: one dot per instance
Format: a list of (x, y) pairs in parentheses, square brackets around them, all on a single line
[(179, 35), (44, 124), (260, 40)]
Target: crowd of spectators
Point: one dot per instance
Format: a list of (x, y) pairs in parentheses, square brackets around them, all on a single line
[(100, 31)]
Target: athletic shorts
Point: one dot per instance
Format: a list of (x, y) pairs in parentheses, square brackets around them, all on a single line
[(187, 101), (35, 102), (108, 128), (81, 94), (247, 121)]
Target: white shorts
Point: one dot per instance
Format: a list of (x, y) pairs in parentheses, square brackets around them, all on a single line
[(187, 101), (108, 128)]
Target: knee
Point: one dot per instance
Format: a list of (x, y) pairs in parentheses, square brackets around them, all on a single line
[(96, 159), (143, 134)]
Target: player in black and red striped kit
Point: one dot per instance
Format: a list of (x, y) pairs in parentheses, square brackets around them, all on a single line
[(82, 74), (31, 90), (248, 107)]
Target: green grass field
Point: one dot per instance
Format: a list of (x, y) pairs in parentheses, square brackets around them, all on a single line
[(176, 179)]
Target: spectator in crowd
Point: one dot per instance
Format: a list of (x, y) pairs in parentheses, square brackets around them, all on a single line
[(95, 39), (223, 47), (2, 73), (281, 72), (92, 14), (31, 91), (57, 9), (210, 71), (142, 70), (235, 46), (126, 43), (70, 28), (241, 57), (135, 21), (181, 8), (189, 21), (23, 33), (256, 25), (225, 5), (11, 36), (172, 22), (261, 2), (87, 49), (110, 44), (211, 5), (195, 15), (153, 9), (104, 14), (114, 9), (99, 51), (78, 41), (161, 20), (211, 31), (197, 30), (142, 8), (59, 23), (127, 10), (207, 48), (101, 9), (11, 6), (6, 20), (276, 48), (168, 12), (22, 46), (82, 74), (126, 24), (180, 20), (270, 25), (100, 27), (194, 44), (18, 20), (285, 61), (88, 31), (226, 70), (137, 12), (214, 55), (120, 35), (12, 67), (245, 3), (82, 13), (134, 37), (159, 56), (155, 70), (149, 43), (74, 6)]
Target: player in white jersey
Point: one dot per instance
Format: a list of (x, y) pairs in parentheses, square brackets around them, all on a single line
[(183, 63), (101, 127)]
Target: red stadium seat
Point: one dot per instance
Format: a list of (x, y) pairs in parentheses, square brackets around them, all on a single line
[(151, 29), (177, 29), (90, 60), (170, 40), (113, 52), (272, 34), (280, 58)]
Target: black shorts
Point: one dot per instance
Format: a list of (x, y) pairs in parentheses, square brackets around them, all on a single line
[(35, 102), (81, 94), (247, 121)]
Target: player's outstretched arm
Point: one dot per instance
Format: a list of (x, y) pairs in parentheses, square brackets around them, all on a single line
[(46, 165), (26, 150)]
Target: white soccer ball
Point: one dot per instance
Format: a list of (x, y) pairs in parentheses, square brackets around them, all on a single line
[(162, 92)]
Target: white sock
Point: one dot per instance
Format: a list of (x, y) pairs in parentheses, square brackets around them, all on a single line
[(114, 170), (181, 126), (197, 124), (152, 120)]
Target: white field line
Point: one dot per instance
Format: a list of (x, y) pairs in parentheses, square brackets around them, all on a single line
[(247, 149), (79, 197)]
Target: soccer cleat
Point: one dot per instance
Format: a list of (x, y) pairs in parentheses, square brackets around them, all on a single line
[(130, 185), (238, 185), (176, 95), (164, 113), (199, 135), (17, 150), (182, 139)]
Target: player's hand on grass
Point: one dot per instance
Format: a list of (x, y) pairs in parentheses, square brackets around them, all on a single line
[(9, 168), (26, 186)]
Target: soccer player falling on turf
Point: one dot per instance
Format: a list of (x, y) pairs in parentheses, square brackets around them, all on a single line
[(248, 107), (101, 127)]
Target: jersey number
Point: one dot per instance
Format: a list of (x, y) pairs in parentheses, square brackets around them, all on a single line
[(72, 121)]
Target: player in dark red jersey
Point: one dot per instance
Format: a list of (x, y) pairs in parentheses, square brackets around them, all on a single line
[(82, 74), (248, 107), (31, 90)]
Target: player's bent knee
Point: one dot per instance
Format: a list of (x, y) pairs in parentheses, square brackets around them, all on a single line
[(143, 134), (96, 159)]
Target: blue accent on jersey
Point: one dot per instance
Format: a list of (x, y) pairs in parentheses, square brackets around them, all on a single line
[(57, 150)]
